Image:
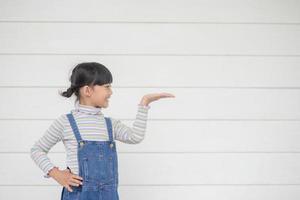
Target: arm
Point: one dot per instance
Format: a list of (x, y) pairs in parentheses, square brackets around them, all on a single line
[(40, 149), (135, 134)]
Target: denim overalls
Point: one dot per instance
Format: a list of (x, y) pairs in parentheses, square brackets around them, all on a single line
[(98, 166)]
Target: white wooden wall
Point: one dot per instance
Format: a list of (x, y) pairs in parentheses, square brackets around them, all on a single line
[(231, 133)]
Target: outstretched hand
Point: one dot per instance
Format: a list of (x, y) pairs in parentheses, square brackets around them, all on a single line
[(148, 98)]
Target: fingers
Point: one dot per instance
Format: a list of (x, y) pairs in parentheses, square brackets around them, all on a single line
[(164, 94), (76, 177), (75, 182), (167, 94), (69, 188), (156, 96)]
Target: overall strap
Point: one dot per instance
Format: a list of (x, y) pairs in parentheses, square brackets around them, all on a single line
[(74, 127), (109, 128)]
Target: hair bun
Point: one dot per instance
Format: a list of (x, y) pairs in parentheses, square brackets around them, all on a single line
[(72, 88)]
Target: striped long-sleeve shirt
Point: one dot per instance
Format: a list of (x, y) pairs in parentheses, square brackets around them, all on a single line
[(91, 124)]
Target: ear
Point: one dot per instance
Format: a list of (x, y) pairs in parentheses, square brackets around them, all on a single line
[(87, 91)]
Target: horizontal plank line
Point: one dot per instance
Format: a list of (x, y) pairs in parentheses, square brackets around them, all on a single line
[(160, 185), (147, 22), (173, 152), (152, 119), (149, 54), (167, 87)]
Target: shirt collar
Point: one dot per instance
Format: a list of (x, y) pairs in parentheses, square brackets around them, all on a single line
[(87, 109)]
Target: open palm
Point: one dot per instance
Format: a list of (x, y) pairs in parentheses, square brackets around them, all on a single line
[(148, 98)]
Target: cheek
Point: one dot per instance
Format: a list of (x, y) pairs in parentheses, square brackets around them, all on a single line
[(101, 97), (96, 97)]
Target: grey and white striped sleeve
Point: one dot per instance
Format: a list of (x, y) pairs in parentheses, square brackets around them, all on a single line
[(41, 147), (134, 134)]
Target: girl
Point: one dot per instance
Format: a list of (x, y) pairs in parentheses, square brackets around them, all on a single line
[(88, 137)]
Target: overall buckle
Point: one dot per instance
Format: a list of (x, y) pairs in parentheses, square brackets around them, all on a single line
[(81, 143)]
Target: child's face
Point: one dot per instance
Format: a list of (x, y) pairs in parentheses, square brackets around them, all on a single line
[(98, 95)]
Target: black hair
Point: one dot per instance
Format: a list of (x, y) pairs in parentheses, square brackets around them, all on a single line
[(87, 73)]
